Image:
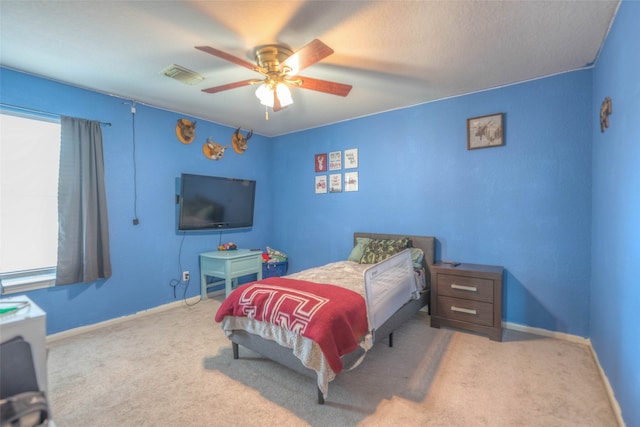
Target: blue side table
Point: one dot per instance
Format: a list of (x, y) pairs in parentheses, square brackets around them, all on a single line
[(227, 266)]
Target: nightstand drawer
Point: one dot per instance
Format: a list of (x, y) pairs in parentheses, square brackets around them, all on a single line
[(480, 313), (471, 288), (241, 265)]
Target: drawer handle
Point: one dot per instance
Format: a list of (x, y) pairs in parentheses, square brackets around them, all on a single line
[(463, 310), (464, 288)]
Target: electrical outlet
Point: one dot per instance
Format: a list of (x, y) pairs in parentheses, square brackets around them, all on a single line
[(185, 276)]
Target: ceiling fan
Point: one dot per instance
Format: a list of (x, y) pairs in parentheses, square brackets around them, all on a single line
[(280, 67)]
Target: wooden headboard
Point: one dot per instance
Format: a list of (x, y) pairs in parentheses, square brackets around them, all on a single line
[(426, 243)]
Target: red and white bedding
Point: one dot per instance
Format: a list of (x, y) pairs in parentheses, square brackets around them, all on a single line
[(334, 317)]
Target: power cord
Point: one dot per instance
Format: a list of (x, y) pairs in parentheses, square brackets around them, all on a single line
[(136, 221), (175, 283)]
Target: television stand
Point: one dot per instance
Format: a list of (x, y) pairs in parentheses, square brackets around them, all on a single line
[(227, 266)]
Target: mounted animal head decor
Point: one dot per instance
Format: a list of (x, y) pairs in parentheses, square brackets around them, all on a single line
[(212, 150), (239, 141), (605, 111), (185, 131)]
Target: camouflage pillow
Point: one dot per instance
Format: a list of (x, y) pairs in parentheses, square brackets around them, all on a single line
[(379, 250)]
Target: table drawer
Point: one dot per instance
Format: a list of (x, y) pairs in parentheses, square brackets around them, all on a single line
[(471, 288), (480, 313), (248, 263)]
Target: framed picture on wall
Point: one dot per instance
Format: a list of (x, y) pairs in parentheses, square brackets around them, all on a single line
[(335, 160), (335, 183), (351, 181), (351, 158), (321, 162), (321, 184), (485, 131)]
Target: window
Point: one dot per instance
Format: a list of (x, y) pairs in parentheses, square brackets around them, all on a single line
[(29, 161)]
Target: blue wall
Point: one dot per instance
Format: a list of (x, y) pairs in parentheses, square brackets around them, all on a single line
[(525, 206), (147, 257), (615, 294)]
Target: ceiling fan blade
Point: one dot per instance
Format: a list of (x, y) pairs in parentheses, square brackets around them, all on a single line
[(276, 102), (325, 86), (228, 86), (277, 106), (230, 58), (308, 55)]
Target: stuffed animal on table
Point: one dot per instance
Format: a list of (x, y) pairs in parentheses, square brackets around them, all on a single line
[(228, 247)]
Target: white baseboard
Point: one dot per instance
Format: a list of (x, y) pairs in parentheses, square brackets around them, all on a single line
[(83, 329), (546, 333), (580, 340), (612, 398)]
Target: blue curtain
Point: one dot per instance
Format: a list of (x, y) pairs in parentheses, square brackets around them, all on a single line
[(83, 230)]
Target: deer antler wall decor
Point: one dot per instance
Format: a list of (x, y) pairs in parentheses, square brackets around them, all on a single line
[(239, 141), (212, 150), (605, 111), (185, 131)]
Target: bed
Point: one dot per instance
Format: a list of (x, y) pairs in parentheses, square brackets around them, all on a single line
[(376, 297)]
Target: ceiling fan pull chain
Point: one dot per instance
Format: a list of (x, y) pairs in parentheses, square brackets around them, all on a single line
[(266, 113)]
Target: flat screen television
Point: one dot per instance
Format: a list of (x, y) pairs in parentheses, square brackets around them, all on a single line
[(215, 203)]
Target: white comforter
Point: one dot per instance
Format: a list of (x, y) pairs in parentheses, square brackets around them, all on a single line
[(346, 274)]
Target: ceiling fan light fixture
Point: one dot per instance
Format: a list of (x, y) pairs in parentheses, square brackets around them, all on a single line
[(279, 66), (265, 94), (284, 94)]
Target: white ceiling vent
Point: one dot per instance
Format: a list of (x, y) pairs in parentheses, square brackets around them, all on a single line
[(182, 74)]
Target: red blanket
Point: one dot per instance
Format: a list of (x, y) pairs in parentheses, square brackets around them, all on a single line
[(332, 316)]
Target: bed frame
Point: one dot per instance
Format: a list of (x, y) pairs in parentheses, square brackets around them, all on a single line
[(285, 356)]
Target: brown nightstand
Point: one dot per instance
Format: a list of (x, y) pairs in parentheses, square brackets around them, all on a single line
[(467, 296)]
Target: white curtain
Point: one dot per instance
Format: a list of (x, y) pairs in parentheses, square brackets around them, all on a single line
[(83, 233)]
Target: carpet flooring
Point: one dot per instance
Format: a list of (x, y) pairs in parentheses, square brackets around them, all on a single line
[(175, 368)]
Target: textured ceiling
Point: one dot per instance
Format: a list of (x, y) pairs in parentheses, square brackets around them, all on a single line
[(394, 53)]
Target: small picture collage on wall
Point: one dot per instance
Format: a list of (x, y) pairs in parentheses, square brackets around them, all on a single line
[(333, 163)]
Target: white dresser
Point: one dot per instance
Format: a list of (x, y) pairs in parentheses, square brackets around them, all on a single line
[(29, 322)]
